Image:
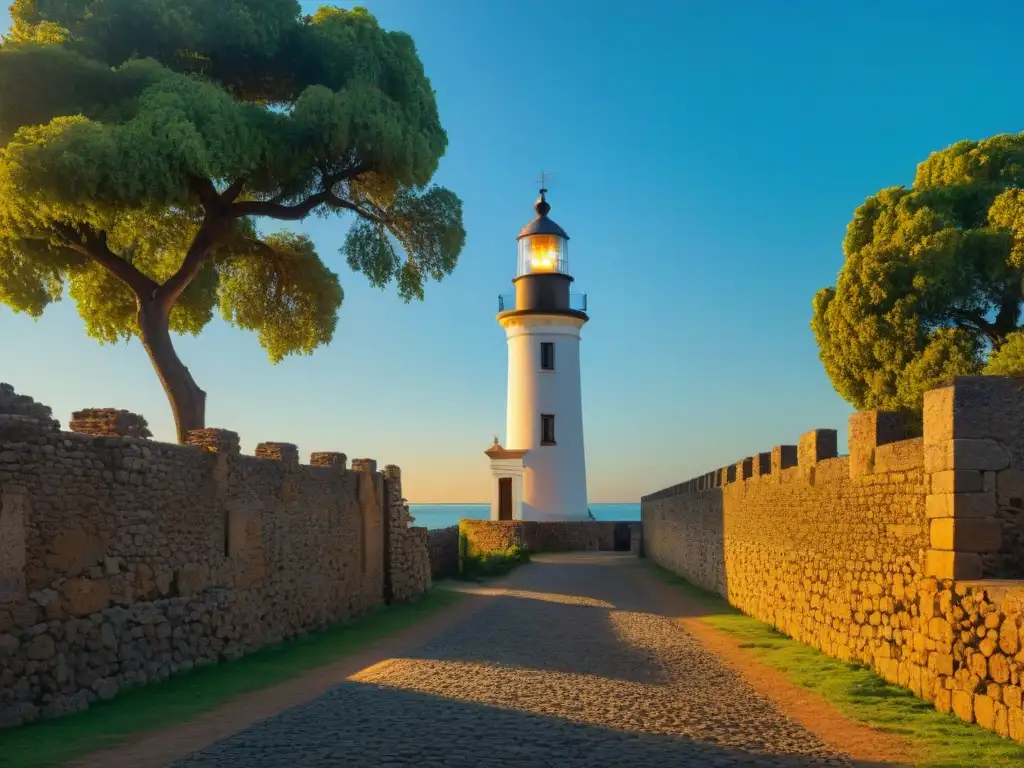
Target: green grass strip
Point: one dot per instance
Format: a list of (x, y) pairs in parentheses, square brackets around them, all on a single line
[(492, 564), (182, 698), (943, 741)]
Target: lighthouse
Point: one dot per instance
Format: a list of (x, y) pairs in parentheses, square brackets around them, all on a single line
[(541, 471)]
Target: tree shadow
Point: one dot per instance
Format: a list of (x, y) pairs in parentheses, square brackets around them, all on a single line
[(358, 724)]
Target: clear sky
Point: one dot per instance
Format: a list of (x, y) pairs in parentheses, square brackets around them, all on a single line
[(708, 156)]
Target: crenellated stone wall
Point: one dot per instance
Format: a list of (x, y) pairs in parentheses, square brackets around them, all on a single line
[(124, 560), (904, 555)]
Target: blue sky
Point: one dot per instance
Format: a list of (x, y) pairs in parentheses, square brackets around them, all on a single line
[(708, 157)]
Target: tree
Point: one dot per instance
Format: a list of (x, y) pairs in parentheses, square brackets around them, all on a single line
[(141, 141), (932, 282)]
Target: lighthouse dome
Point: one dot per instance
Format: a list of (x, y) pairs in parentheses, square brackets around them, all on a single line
[(543, 245)]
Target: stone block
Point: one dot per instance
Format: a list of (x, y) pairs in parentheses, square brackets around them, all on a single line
[(364, 465), (762, 464), (867, 431), (109, 422), (745, 468), (965, 454), (72, 551), (965, 534), (960, 505), (817, 445), (328, 459), (1016, 724), (975, 407), (85, 596), (215, 440), (963, 706), (946, 564), (984, 711), (900, 456), (286, 453), (392, 472), (783, 457), (957, 481)]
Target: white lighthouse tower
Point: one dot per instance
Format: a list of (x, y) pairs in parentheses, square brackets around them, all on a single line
[(541, 473)]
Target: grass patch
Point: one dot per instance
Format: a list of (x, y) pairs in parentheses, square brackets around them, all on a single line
[(182, 698), (492, 564), (943, 740)]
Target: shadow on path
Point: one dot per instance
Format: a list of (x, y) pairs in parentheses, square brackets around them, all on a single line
[(575, 663), (358, 724)]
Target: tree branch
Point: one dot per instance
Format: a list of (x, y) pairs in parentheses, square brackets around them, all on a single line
[(221, 211), (214, 225), (275, 210), (975, 322), (207, 193), (298, 211), (210, 231), (234, 190), (83, 239)]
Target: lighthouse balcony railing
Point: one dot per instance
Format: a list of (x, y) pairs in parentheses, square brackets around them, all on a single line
[(577, 302)]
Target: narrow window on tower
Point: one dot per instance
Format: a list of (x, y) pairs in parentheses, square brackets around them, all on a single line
[(547, 355), (547, 429)]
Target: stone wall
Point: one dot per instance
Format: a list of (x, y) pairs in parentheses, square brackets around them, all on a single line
[(444, 552), (484, 536), (409, 547), (124, 561), (902, 555)]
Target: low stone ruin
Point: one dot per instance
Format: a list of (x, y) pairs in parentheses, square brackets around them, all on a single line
[(215, 440), (109, 422), (13, 404)]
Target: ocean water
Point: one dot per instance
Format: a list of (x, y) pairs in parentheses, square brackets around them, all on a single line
[(443, 515)]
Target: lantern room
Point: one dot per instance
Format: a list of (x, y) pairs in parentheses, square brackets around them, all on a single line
[(543, 245)]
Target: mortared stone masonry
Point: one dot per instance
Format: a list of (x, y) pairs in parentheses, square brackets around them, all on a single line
[(125, 561), (905, 555)]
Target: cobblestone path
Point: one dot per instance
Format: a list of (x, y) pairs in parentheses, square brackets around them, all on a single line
[(574, 666)]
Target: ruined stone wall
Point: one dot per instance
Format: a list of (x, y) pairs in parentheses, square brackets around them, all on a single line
[(902, 555), (124, 561), (485, 536), (409, 546)]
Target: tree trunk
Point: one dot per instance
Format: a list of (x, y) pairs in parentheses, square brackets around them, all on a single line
[(1006, 320), (188, 401)]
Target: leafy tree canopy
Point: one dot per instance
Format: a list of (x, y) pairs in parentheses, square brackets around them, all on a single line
[(141, 140), (931, 285)]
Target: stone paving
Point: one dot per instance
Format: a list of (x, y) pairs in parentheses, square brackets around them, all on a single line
[(574, 666)]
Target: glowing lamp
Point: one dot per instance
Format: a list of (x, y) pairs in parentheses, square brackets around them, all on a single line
[(543, 245)]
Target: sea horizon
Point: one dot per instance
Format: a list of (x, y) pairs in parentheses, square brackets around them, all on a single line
[(487, 503), (443, 514)]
